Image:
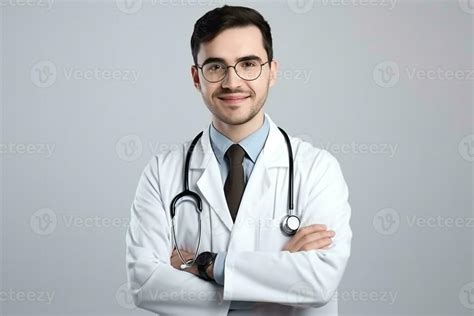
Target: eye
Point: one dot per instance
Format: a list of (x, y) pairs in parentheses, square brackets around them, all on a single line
[(249, 64), (215, 67)]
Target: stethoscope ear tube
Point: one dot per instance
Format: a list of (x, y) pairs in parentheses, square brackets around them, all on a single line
[(290, 171), (183, 194), (186, 192), (186, 263)]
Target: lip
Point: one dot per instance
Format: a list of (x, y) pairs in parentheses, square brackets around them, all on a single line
[(233, 99)]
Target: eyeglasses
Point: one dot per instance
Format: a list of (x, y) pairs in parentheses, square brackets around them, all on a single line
[(249, 70)]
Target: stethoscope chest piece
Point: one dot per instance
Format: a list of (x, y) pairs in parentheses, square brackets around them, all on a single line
[(290, 224)]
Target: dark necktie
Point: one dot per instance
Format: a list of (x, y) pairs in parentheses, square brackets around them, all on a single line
[(234, 184)]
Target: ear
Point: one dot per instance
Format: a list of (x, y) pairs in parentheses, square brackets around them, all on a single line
[(195, 76), (273, 72)]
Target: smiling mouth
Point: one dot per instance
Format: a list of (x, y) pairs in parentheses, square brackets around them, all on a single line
[(234, 99)]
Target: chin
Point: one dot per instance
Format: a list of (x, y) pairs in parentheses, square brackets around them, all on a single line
[(236, 118)]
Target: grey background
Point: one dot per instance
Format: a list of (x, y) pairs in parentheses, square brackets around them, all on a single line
[(105, 131)]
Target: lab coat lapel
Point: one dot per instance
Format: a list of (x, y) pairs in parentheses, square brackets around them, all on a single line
[(210, 181)]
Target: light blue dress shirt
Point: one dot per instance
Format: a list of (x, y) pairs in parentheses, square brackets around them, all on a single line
[(252, 145)]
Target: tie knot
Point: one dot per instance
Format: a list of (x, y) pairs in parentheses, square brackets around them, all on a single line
[(235, 154)]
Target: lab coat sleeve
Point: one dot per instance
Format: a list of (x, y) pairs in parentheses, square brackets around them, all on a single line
[(304, 278), (155, 285), (218, 269)]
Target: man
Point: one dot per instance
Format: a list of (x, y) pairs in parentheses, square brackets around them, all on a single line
[(240, 169)]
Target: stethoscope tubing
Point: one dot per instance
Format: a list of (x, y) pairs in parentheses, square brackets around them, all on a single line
[(197, 199)]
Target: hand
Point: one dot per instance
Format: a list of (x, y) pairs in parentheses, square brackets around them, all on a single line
[(310, 237), (176, 261)]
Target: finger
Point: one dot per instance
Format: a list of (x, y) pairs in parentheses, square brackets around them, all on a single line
[(319, 244), (313, 228), (308, 230), (303, 232), (311, 237)]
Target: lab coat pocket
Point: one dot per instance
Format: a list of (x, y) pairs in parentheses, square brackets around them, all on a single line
[(271, 237)]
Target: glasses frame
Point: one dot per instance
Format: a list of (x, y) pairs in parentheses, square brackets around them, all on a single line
[(227, 71)]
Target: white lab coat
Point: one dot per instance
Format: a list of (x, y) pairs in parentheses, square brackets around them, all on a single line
[(284, 283)]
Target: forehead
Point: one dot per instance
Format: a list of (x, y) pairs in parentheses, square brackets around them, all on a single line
[(234, 43)]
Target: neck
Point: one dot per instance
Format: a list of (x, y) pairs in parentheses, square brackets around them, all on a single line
[(238, 132)]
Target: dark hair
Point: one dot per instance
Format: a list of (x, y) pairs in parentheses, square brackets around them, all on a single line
[(215, 21)]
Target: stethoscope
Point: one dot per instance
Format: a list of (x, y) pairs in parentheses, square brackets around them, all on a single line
[(289, 224)]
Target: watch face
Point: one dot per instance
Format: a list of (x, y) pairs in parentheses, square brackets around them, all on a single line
[(203, 258)]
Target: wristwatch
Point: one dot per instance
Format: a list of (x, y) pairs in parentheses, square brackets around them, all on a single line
[(203, 261)]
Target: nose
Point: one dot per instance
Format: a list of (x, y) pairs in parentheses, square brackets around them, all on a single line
[(231, 79)]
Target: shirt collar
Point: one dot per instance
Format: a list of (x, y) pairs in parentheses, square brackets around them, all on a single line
[(252, 144)]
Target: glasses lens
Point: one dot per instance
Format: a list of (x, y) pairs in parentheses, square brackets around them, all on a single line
[(249, 69), (214, 71)]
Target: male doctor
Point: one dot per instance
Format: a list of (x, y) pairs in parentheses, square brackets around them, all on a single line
[(245, 265)]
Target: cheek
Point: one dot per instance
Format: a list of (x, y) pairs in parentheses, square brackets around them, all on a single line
[(259, 87), (208, 90), (205, 91)]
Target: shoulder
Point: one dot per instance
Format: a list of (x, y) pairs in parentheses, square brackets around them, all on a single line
[(306, 152), (315, 163)]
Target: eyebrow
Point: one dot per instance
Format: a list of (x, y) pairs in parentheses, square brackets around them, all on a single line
[(221, 60)]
